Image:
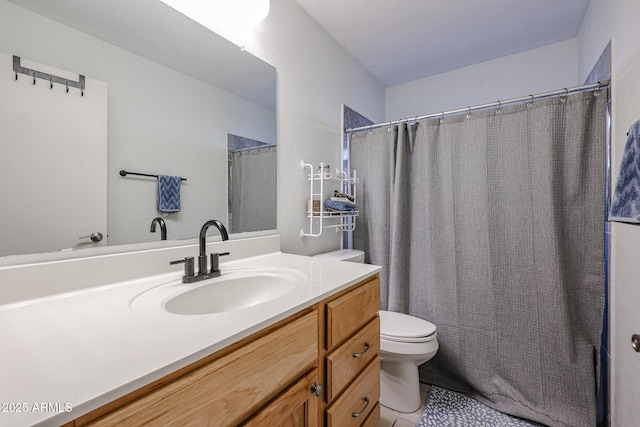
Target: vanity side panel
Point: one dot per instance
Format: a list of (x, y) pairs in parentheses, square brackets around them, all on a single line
[(228, 389)]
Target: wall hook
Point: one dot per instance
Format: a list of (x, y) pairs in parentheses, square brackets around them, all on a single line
[(67, 86), (50, 82), (34, 78)]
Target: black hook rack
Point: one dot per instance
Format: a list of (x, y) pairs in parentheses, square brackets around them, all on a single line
[(17, 68)]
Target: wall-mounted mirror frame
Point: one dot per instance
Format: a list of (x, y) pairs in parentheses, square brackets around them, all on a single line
[(200, 88)]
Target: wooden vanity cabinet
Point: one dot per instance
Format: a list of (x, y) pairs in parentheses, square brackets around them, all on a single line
[(317, 368)]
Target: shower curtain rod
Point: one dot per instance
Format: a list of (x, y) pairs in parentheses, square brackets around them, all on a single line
[(257, 147), (565, 91)]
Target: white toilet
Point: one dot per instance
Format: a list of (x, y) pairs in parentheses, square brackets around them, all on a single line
[(405, 343)]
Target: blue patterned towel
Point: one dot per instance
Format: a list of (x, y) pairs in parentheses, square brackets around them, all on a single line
[(339, 206), (169, 193), (626, 199)]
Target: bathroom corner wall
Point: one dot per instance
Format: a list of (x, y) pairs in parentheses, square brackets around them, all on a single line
[(315, 76), (617, 21)]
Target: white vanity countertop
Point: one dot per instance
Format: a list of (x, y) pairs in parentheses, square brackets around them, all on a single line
[(65, 355)]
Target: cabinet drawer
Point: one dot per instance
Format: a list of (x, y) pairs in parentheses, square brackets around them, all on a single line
[(348, 313), (373, 420), (348, 360), (358, 400), (231, 387)]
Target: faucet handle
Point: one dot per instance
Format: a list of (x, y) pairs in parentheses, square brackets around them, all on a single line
[(215, 261), (189, 270)]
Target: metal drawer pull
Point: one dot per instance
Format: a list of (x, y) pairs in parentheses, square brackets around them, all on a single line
[(357, 414), (367, 346)]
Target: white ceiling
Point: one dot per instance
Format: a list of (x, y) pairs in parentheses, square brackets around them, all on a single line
[(401, 41)]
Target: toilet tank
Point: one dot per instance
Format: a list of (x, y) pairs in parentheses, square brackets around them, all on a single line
[(351, 255)]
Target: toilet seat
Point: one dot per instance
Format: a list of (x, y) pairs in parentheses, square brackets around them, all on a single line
[(409, 340), (403, 328)]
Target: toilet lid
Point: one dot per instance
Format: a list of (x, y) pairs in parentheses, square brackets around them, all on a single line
[(400, 325)]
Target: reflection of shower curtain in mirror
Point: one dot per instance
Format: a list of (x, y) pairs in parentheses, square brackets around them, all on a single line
[(253, 190)]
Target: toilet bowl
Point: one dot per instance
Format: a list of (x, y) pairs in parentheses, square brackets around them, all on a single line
[(405, 343)]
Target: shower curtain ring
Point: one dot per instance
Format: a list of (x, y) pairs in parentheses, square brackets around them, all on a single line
[(370, 131), (499, 107), (442, 117), (389, 127), (468, 112), (566, 93), (530, 103), (597, 91)]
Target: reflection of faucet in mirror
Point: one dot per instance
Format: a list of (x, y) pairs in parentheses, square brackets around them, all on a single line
[(163, 227)]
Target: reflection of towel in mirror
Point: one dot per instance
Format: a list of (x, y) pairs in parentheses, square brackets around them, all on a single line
[(169, 193), (626, 199)]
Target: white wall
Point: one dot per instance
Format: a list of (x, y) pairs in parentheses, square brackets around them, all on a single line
[(315, 76), (159, 122), (535, 71), (603, 21)]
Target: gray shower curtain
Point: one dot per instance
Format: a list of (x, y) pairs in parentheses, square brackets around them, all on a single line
[(492, 228)]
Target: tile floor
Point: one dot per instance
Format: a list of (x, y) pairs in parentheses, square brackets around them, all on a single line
[(390, 418)]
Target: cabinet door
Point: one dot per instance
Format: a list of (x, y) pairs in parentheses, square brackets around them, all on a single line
[(295, 407)]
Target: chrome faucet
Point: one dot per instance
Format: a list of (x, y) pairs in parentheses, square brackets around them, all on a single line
[(163, 227), (203, 273)]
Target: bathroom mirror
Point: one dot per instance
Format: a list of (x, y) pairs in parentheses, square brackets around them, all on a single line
[(174, 91)]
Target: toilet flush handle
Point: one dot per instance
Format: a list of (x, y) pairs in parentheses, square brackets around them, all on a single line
[(635, 342)]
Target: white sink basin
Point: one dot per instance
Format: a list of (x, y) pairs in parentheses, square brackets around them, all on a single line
[(233, 290)]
